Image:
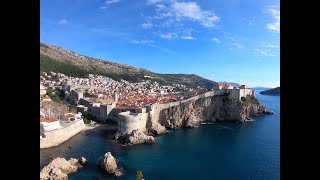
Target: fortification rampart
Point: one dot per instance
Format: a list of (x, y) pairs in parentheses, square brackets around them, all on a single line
[(128, 121), (131, 119), (56, 137), (233, 93)]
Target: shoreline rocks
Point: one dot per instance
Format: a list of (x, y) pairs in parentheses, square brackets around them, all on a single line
[(82, 161), (59, 168), (135, 137), (157, 129), (109, 164)]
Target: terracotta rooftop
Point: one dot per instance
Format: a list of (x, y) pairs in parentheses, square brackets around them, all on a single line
[(69, 113), (98, 100), (69, 116), (128, 107), (48, 120)]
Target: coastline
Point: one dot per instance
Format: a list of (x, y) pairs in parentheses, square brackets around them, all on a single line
[(94, 130), (57, 137), (89, 132), (100, 126)]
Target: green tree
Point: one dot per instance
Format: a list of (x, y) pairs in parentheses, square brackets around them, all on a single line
[(53, 94), (72, 100), (139, 175)]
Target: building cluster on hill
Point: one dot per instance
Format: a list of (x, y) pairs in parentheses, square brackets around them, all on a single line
[(130, 94), (131, 105), (53, 115)]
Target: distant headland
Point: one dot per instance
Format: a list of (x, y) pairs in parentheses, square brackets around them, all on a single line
[(273, 92)]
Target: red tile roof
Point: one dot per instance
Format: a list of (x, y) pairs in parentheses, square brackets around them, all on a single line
[(48, 120)]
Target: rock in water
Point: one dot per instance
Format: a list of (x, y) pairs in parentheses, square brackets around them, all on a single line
[(119, 135), (119, 172), (157, 129), (108, 163), (54, 173), (138, 137), (82, 161), (135, 137), (74, 162), (59, 168)]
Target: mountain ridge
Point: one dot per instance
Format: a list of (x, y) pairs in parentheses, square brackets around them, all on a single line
[(55, 58)]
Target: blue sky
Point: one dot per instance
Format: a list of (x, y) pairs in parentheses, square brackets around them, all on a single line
[(232, 40)]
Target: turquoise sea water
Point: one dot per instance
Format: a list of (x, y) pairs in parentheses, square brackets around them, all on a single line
[(250, 150)]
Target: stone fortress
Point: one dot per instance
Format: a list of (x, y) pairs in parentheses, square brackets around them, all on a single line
[(131, 118)]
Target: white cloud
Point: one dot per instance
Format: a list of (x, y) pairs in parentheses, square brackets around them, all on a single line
[(270, 45), (168, 51), (143, 42), (275, 27), (103, 7), (179, 11), (187, 9), (152, 44), (154, 1), (147, 25), (169, 36), (237, 45), (263, 53), (111, 1), (216, 40), (191, 10), (275, 13), (187, 37), (63, 21)]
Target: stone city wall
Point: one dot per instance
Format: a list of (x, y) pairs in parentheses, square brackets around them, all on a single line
[(56, 137), (128, 121), (234, 93), (53, 125)]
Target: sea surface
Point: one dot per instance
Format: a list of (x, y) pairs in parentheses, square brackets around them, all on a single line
[(220, 151)]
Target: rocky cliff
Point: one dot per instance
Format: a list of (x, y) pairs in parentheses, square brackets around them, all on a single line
[(211, 109)]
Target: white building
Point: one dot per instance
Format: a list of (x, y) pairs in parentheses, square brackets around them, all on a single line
[(43, 90), (50, 124)]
